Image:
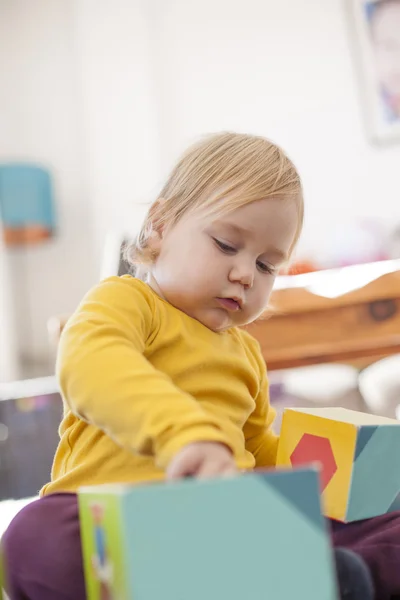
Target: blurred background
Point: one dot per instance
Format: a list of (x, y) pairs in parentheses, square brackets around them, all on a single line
[(98, 98), (105, 95)]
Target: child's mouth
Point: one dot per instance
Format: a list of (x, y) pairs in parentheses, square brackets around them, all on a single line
[(229, 303)]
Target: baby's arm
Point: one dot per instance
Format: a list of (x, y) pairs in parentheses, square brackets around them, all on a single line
[(107, 381), (261, 441)]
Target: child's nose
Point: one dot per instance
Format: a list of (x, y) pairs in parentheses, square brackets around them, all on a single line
[(242, 273)]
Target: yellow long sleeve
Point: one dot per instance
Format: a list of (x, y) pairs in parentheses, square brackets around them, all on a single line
[(107, 380), (140, 379)]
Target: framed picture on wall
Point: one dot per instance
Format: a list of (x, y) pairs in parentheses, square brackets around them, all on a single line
[(377, 39)]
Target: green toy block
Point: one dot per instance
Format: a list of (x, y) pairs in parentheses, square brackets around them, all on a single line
[(258, 535)]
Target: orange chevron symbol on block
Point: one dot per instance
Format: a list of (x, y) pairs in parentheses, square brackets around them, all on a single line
[(314, 448)]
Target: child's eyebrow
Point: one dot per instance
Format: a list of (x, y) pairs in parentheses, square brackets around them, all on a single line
[(278, 254), (234, 228)]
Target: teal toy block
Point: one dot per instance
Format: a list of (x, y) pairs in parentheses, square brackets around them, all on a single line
[(258, 535), (395, 506)]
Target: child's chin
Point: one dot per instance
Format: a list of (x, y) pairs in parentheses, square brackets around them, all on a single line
[(218, 323)]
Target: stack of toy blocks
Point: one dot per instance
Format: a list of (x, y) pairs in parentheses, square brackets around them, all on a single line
[(258, 535), (358, 454)]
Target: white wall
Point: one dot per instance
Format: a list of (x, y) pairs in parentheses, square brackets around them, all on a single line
[(120, 111), (285, 70), (40, 120), (108, 93), (9, 363)]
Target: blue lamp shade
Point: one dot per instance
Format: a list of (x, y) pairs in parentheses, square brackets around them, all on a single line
[(26, 204)]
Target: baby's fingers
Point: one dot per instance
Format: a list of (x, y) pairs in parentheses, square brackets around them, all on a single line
[(213, 469), (182, 466)]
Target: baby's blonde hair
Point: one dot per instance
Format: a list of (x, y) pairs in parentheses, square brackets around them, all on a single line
[(221, 172)]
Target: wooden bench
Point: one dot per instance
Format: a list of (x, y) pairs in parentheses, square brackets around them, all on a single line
[(357, 327)]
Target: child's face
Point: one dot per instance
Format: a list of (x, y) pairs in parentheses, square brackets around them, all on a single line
[(220, 271), (386, 39)]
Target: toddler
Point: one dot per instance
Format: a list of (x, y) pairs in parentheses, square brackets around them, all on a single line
[(159, 379)]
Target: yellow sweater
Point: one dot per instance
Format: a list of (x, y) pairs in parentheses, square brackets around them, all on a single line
[(140, 379)]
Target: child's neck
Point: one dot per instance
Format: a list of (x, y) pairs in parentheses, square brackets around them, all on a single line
[(151, 281)]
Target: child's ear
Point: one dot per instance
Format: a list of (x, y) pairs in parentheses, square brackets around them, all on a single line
[(157, 224), (156, 217)]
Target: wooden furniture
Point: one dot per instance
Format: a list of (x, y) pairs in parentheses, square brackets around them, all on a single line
[(358, 326), (349, 315)]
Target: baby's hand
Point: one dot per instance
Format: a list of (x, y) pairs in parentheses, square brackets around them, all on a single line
[(202, 460)]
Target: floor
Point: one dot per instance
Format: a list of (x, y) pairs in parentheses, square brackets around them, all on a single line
[(8, 510)]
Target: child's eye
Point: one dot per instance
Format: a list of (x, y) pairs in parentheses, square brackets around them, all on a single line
[(225, 247), (265, 268)]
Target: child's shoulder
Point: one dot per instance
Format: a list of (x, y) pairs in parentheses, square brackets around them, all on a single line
[(246, 339), (121, 286), (251, 346), (124, 295)]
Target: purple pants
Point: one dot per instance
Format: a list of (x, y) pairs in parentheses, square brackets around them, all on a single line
[(43, 558)]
